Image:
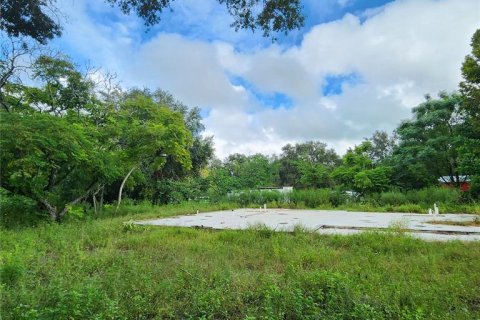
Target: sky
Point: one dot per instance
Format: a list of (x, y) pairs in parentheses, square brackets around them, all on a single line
[(357, 66)]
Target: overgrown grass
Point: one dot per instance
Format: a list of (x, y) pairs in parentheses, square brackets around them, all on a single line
[(414, 201), (100, 269)]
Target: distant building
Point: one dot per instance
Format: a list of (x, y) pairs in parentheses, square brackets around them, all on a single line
[(278, 189), (447, 181)]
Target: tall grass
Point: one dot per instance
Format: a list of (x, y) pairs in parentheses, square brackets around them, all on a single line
[(98, 269), (419, 201)]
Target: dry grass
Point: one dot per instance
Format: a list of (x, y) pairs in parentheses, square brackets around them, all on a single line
[(469, 223)]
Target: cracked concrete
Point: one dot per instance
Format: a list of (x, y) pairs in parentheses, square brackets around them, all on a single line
[(329, 222)]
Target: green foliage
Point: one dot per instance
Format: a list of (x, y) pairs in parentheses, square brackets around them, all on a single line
[(173, 191), (359, 173), (313, 175), (147, 131), (470, 89), (271, 16), (307, 165), (17, 210), (429, 144), (55, 163), (394, 198), (311, 198), (257, 198), (418, 201), (11, 272), (249, 172), (34, 18), (98, 270), (74, 145), (29, 18)]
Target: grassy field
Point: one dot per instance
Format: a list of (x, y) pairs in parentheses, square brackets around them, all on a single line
[(105, 269)]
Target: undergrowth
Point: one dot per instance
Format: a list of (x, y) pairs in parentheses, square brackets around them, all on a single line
[(109, 269)]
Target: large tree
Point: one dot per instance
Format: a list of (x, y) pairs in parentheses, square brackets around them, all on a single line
[(470, 89), (359, 172), (470, 86), (51, 160), (61, 143), (201, 151), (37, 19), (429, 143), (148, 136), (311, 159)]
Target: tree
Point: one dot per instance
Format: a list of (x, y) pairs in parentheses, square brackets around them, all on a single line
[(61, 143), (429, 143), (313, 175), (220, 178), (65, 90), (358, 171), (149, 136), (241, 172), (31, 18), (61, 102), (381, 146), (470, 86), (304, 155), (15, 61), (470, 90), (201, 150), (51, 160)]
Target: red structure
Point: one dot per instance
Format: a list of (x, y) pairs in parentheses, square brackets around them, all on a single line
[(447, 182)]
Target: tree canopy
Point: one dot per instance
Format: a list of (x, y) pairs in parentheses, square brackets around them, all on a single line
[(32, 18), (39, 19), (62, 141)]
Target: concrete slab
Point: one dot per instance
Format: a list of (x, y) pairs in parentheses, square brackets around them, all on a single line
[(329, 222)]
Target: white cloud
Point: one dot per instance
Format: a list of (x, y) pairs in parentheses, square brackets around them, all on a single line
[(400, 52), (405, 50)]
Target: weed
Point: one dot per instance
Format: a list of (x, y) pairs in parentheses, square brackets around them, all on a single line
[(399, 226)]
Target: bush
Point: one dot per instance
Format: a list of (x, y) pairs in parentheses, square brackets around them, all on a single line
[(409, 208), (394, 198), (16, 210), (338, 198), (312, 198), (257, 198), (431, 195)]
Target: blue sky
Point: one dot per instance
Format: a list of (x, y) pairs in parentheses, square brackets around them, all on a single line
[(355, 67)]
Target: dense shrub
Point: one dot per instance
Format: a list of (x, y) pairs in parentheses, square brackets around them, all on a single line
[(257, 198), (312, 198), (16, 210), (432, 195), (394, 198)]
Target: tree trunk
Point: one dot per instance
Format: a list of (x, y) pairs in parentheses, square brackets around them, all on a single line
[(94, 204), (121, 188), (56, 215), (101, 199), (52, 210), (94, 199)]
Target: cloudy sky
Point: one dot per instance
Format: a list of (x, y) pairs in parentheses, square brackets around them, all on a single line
[(357, 66)]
